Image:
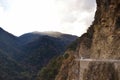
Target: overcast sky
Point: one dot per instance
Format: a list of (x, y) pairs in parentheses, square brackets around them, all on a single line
[(67, 16)]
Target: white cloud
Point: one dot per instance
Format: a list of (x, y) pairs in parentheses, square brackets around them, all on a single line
[(68, 16), (78, 16)]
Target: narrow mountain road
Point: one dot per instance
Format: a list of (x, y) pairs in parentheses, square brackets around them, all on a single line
[(99, 60)]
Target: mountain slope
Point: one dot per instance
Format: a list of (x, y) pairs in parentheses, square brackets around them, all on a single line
[(10, 69), (50, 71), (22, 57), (41, 47), (9, 44)]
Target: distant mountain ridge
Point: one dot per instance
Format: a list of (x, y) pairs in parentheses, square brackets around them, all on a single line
[(36, 35), (32, 50)]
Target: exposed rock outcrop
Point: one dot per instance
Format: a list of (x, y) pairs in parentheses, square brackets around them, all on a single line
[(100, 42)]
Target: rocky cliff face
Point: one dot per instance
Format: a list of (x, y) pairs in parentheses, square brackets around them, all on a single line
[(100, 42)]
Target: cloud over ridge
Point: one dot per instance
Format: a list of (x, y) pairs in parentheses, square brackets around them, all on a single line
[(68, 16)]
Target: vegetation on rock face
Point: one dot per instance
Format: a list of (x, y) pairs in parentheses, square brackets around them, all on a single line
[(73, 45), (66, 55), (51, 70), (86, 38)]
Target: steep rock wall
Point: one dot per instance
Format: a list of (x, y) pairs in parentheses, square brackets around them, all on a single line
[(100, 42)]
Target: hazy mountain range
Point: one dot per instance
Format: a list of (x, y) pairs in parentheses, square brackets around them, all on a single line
[(22, 57)]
